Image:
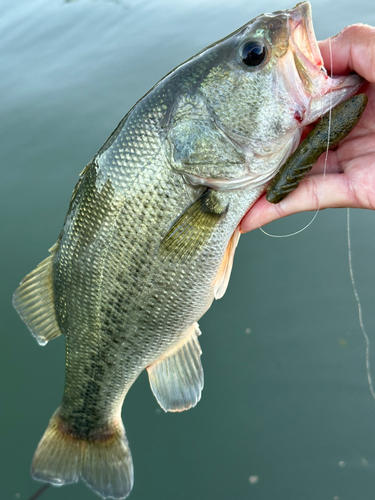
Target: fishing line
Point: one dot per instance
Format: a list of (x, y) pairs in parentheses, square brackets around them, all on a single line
[(360, 317), (325, 160), (40, 491), (290, 234)]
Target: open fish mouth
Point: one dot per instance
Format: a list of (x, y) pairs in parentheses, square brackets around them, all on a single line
[(307, 56), (322, 91)]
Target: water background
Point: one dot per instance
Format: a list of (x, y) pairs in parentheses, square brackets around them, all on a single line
[(286, 412)]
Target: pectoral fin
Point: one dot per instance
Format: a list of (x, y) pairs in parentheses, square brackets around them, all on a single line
[(176, 378), (193, 228), (33, 301), (225, 269)]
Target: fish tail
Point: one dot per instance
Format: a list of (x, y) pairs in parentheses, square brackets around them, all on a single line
[(103, 460)]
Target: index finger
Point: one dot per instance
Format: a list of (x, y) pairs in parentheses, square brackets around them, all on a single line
[(353, 49)]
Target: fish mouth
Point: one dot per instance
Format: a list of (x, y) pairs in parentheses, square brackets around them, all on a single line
[(321, 90), (306, 51)]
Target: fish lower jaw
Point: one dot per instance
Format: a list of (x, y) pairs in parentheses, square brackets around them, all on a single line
[(338, 89)]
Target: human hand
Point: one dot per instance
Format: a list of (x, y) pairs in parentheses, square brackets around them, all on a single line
[(350, 170)]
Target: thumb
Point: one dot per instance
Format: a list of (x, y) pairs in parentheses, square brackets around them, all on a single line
[(315, 192)]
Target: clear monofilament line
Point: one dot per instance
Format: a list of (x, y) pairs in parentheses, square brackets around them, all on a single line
[(360, 317)]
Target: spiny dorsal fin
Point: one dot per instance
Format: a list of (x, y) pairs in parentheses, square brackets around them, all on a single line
[(176, 378), (194, 227), (33, 300), (225, 269)]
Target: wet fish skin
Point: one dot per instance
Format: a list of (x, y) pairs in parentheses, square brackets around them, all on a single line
[(150, 234)]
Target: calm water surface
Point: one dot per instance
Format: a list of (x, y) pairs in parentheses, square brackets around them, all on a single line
[(286, 412)]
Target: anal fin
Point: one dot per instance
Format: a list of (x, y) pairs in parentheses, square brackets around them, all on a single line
[(33, 300), (225, 269), (176, 378)]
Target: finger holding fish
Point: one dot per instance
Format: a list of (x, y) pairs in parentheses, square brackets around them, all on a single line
[(352, 50), (315, 192), (345, 184)]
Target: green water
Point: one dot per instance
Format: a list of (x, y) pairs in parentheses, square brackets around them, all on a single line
[(286, 400)]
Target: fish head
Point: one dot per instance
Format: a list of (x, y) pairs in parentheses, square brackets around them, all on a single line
[(266, 81)]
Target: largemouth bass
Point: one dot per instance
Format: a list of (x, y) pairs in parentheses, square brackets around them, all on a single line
[(151, 231)]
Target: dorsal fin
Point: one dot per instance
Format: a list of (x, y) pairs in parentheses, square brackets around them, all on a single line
[(33, 300), (225, 269)]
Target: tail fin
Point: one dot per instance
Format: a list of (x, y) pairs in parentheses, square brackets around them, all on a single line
[(105, 463)]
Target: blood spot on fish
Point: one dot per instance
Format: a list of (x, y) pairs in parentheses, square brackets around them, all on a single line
[(299, 116)]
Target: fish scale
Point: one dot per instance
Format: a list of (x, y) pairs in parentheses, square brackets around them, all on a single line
[(151, 231)]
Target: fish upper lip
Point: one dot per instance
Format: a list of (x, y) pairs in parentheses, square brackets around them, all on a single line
[(309, 61), (304, 9)]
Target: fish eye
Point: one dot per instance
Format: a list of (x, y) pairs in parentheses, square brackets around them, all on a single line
[(253, 53)]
